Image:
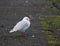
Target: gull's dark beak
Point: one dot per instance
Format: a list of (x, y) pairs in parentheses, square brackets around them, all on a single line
[(30, 17)]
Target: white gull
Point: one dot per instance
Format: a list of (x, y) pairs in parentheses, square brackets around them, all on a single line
[(21, 25)]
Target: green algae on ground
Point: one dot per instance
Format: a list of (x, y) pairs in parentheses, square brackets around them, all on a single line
[(52, 40), (43, 23), (57, 21), (57, 1)]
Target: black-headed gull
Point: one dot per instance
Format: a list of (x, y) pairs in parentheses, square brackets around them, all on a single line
[(22, 25)]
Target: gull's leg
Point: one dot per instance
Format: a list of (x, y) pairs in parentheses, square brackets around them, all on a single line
[(24, 35)]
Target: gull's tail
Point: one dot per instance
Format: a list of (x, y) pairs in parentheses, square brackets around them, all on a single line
[(11, 31)]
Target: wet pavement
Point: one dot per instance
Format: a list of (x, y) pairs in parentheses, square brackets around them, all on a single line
[(12, 11)]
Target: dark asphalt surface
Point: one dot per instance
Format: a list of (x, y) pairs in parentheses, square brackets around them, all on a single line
[(12, 11)]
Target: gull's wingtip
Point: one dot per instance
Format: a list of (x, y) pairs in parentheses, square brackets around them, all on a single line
[(11, 31)]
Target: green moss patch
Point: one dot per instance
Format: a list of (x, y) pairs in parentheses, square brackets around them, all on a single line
[(58, 1), (45, 21)]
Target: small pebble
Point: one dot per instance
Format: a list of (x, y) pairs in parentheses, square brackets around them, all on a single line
[(26, 1), (42, 31), (33, 36)]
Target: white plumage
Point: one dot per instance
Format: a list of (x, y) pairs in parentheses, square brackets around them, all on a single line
[(21, 25)]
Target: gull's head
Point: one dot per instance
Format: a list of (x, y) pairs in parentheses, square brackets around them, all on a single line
[(26, 18)]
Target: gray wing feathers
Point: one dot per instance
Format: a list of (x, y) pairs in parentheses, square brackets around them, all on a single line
[(21, 26)]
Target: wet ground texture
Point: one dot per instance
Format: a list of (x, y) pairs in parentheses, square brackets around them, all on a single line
[(12, 11)]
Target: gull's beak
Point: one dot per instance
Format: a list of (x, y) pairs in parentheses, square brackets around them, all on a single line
[(30, 17)]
